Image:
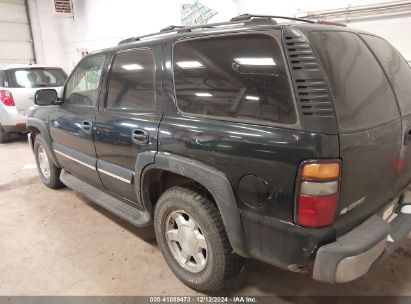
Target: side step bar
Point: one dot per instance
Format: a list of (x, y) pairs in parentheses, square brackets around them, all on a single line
[(112, 204)]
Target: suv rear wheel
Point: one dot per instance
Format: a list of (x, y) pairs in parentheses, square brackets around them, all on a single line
[(49, 173), (193, 240)]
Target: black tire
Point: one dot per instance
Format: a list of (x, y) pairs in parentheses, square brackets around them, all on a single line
[(53, 180), (4, 136), (222, 264)]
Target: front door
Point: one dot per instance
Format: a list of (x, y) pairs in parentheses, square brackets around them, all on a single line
[(72, 123), (127, 123)]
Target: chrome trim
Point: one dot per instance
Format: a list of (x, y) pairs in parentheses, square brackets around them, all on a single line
[(114, 176), (74, 159)]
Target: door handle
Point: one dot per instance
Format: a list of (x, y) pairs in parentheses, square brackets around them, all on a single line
[(139, 136), (86, 125)]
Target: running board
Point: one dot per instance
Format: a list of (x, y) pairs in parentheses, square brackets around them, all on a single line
[(112, 204)]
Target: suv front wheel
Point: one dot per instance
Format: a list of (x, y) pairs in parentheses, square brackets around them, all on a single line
[(49, 173), (193, 240)]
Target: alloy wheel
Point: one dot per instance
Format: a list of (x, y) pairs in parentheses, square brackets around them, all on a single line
[(186, 241), (43, 162)]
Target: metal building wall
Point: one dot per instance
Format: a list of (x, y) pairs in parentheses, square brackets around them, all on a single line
[(388, 19), (15, 36)]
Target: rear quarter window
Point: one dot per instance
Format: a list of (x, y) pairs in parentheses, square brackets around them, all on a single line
[(363, 98), (397, 69), (240, 77)]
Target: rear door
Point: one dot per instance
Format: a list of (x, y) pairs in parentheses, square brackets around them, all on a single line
[(127, 123), (399, 73), (233, 109), (369, 125), (72, 124)]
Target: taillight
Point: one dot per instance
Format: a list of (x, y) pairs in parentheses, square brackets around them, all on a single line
[(317, 193), (6, 98)]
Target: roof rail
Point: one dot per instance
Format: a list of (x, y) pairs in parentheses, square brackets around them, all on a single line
[(178, 29), (171, 28), (245, 18)]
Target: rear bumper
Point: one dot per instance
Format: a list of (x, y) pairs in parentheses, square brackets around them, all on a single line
[(331, 260), (282, 243), (364, 247), (19, 128), (11, 121)]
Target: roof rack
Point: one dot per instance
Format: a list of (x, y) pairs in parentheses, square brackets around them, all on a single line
[(178, 29), (171, 28), (245, 18)]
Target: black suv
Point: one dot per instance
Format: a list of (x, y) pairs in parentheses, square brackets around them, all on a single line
[(288, 143)]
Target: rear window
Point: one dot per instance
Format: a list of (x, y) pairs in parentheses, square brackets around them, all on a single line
[(236, 77), (35, 78), (362, 95), (397, 69)]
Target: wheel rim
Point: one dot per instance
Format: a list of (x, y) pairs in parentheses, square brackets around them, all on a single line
[(43, 162), (186, 241)]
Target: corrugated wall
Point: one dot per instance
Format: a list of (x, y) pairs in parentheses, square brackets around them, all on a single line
[(15, 37), (388, 19)]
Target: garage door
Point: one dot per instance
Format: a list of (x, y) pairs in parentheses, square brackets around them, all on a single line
[(15, 37)]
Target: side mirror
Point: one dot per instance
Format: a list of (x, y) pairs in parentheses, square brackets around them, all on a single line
[(45, 97)]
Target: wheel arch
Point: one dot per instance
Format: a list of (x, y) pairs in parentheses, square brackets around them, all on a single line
[(213, 181), (37, 126)]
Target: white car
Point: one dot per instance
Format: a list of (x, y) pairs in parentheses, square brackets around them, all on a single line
[(18, 84)]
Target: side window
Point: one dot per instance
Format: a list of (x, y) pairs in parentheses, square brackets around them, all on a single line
[(1, 79), (132, 81), (240, 77), (362, 95), (397, 69), (83, 84)]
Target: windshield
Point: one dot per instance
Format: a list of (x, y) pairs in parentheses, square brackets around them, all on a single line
[(36, 78)]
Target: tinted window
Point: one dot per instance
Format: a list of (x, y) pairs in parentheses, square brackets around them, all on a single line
[(397, 69), (36, 78), (362, 95), (132, 79), (241, 77), (1, 78), (82, 86)]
